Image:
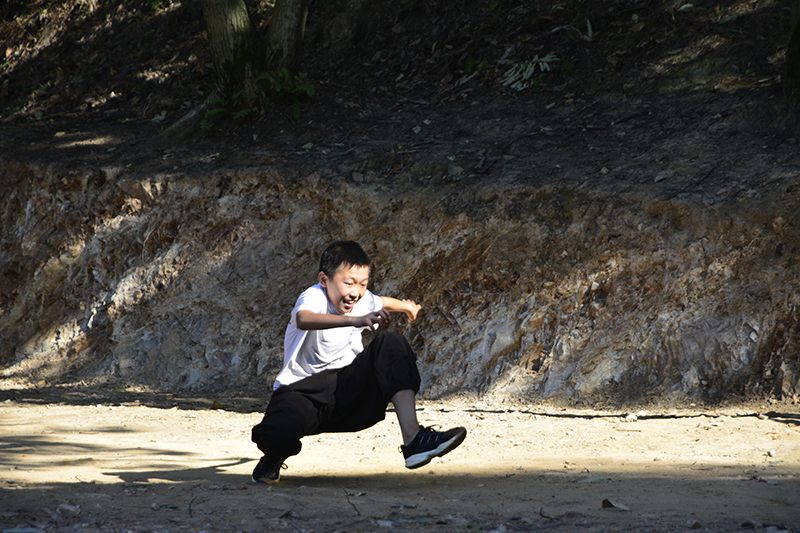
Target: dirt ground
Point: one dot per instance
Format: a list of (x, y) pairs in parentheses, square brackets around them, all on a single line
[(139, 466)]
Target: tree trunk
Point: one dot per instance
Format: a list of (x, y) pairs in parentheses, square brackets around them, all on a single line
[(286, 33), (791, 82), (229, 41)]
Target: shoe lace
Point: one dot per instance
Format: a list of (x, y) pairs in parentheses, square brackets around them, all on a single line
[(278, 468), (430, 430), (422, 431), (275, 467)]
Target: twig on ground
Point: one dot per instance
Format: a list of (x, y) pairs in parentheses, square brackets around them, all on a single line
[(351, 503)]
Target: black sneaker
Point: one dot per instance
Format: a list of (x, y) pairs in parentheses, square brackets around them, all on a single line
[(430, 443), (267, 471)]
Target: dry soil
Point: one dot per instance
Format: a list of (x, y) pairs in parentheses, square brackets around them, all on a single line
[(126, 466)]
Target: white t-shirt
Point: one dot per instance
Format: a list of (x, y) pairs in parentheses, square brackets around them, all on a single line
[(308, 352)]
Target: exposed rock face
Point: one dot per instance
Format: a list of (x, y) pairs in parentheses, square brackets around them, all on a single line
[(177, 283)]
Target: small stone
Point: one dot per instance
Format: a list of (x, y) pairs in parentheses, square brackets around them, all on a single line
[(608, 504), (751, 524), (693, 524), (455, 170), (66, 509)]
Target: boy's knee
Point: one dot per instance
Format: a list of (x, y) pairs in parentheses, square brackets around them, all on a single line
[(285, 423), (396, 366), (275, 442), (404, 374)]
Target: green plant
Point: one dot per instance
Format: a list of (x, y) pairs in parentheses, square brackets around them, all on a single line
[(217, 107), (242, 104), (471, 66), (239, 104), (282, 86), (276, 86)]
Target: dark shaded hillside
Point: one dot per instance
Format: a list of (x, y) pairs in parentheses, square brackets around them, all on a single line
[(133, 60)]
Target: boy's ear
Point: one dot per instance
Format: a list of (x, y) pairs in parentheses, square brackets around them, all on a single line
[(323, 279)]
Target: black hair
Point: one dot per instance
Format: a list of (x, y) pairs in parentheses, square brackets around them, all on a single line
[(348, 253)]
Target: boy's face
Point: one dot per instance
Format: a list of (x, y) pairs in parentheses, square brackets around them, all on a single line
[(346, 286)]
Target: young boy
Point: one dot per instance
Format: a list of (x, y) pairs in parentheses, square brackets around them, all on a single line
[(330, 383)]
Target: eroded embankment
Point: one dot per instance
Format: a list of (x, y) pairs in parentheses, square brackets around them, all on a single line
[(179, 282)]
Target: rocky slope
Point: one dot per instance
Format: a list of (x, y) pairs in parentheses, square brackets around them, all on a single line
[(185, 282)]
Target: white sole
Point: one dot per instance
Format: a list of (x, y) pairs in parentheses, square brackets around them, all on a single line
[(421, 459)]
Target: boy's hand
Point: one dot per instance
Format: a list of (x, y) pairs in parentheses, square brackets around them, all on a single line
[(412, 308), (409, 307), (378, 318)]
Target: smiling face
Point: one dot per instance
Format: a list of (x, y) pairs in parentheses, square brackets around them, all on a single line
[(346, 287)]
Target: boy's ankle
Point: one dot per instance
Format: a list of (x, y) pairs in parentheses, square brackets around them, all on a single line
[(408, 437)]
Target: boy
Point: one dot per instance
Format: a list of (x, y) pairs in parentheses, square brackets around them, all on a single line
[(330, 383)]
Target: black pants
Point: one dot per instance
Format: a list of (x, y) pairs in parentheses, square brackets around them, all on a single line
[(347, 399)]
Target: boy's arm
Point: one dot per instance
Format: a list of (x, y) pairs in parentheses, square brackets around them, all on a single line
[(409, 307), (308, 320)]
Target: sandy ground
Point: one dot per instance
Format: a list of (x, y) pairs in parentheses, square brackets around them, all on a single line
[(134, 468)]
